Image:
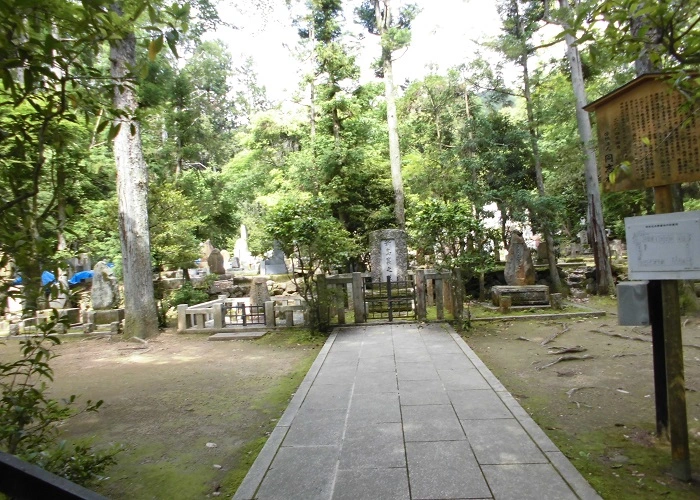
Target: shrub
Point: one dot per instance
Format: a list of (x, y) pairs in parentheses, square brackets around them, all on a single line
[(29, 420)]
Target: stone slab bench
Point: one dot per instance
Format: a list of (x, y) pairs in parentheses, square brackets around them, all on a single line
[(527, 295)]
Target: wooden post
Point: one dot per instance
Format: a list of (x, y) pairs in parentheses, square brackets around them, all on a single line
[(673, 344), (324, 304), (358, 301), (421, 310), (656, 318), (439, 304), (340, 301), (430, 287), (447, 293), (458, 296)]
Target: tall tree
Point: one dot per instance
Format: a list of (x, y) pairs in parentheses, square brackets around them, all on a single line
[(377, 17), (519, 28), (140, 317), (597, 236)]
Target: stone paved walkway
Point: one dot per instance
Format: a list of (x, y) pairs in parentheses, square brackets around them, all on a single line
[(402, 412)]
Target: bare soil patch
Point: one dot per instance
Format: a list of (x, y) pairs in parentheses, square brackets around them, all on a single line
[(598, 410), (190, 414)]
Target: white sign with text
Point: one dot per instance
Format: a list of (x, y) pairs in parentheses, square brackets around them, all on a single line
[(664, 246)]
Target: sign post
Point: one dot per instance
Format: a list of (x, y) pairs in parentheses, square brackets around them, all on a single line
[(646, 141)]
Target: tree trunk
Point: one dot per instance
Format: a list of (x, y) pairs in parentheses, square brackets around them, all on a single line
[(544, 219), (383, 24), (394, 150), (596, 226), (140, 319)]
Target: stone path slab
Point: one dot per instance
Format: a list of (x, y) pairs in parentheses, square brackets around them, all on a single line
[(407, 412)]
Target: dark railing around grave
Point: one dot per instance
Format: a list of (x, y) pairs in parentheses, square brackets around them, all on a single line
[(389, 299), (242, 314)]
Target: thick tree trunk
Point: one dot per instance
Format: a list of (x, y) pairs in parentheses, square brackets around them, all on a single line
[(596, 226), (544, 219), (141, 319)]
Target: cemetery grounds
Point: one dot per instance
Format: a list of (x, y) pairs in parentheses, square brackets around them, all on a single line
[(191, 415)]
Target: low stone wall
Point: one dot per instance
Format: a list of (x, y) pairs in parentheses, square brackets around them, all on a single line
[(529, 295)]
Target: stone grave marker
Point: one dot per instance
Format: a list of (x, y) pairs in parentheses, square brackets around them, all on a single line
[(519, 269), (275, 264), (389, 254), (105, 288), (216, 262)]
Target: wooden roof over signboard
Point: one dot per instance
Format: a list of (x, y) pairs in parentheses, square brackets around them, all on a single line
[(646, 135)]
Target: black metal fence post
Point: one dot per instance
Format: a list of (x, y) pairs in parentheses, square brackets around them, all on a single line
[(388, 293)]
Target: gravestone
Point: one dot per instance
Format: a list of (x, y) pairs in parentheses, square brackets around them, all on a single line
[(259, 293), (227, 258), (235, 263), (105, 288), (389, 254), (205, 249), (275, 264), (519, 269), (216, 262)]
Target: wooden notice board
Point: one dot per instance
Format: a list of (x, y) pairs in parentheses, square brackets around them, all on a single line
[(646, 138)]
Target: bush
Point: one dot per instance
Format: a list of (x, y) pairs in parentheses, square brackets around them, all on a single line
[(29, 420), (188, 294)]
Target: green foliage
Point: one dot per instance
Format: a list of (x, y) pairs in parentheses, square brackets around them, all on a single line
[(316, 241), (187, 294), (30, 420), (450, 232)]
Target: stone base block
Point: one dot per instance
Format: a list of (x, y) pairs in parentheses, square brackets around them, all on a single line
[(529, 295), (106, 316)]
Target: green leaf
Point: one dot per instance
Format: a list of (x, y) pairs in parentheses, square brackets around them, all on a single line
[(155, 47), (646, 141), (113, 131)]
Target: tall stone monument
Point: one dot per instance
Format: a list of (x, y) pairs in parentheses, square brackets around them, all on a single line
[(216, 262), (389, 254), (520, 270), (241, 252), (105, 288)]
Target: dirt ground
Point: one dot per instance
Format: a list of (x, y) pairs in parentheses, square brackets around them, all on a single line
[(599, 411), (166, 403)]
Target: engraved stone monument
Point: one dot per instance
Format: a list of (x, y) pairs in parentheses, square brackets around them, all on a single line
[(389, 254), (519, 269)]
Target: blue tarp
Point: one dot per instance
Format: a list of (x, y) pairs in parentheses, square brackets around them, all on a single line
[(80, 277), (46, 279)]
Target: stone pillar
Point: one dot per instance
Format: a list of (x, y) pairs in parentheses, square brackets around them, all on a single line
[(430, 287), (505, 304), (289, 317), (218, 315), (421, 311), (358, 301), (182, 318), (439, 298), (556, 300), (270, 314)]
